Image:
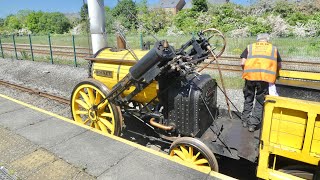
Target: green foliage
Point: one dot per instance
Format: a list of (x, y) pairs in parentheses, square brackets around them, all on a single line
[(12, 22), (284, 8), (185, 20), (84, 13), (259, 28), (109, 19), (40, 22), (297, 17), (199, 5), (126, 13)]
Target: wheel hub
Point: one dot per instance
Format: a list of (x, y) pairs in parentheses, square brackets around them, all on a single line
[(93, 115)]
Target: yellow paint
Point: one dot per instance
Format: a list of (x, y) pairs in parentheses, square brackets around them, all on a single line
[(299, 75), (290, 129), (143, 148), (121, 55), (119, 72)]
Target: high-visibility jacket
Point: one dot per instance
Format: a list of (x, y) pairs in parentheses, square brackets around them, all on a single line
[(261, 63)]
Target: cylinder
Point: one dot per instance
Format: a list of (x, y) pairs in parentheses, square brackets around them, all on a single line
[(157, 54), (97, 24)]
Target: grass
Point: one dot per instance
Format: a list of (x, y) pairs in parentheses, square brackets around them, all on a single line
[(288, 47)]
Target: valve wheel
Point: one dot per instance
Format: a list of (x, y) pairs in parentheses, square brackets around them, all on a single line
[(195, 153), (216, 40), (87, 109)]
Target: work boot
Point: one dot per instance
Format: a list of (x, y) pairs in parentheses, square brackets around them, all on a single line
[(244, 124), (252, 128)]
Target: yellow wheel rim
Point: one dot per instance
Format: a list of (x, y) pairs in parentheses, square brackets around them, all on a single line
[(191, 156), (85, 110)]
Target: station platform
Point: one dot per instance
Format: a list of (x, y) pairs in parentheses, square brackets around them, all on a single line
[(37, 144)]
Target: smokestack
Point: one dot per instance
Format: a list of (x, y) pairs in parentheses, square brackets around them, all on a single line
[(97, 24)]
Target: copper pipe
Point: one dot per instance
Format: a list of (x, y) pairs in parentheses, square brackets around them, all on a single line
[(161, 126)]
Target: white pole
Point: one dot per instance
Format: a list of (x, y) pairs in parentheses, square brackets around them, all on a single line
[(97, 24)]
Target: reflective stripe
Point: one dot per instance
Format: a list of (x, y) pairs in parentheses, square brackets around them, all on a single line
[(263, 56), (259, 70), (250, 51), (272, 53)]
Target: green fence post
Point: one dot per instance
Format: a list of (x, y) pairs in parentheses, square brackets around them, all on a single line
[(1, 48), (31, 50), (51, 57), (74, 51), (141, 41), (14, 45)]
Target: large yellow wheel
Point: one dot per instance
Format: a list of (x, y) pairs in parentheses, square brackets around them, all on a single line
[(87, 109), (195, 153)]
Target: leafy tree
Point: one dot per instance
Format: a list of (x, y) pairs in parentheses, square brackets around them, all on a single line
[(109, 19), (12, 22), (33, 20), (1, 22), (84, 13), (199, 5), (126, 13)]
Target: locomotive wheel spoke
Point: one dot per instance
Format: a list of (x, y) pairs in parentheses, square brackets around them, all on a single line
[(85, 98), (91, 96), (190, 152), (179, 154), (83, 104), (196, 156), (98, 98), (105, 114), (107, 123), (86, 121), (81, 112), (201, 161), (102, 127)]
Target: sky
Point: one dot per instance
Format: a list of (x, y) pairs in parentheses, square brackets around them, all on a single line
[(65, 6)]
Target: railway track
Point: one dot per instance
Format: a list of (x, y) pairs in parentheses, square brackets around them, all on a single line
[(227, 63), (35, 91)]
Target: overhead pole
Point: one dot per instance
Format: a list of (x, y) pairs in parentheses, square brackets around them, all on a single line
[(97, 24)]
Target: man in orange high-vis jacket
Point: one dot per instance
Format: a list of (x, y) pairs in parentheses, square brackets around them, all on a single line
[(260, 62)]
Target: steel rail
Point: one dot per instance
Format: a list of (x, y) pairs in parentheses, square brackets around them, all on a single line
[(35, 91)]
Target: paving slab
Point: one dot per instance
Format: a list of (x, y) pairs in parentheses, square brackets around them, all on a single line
[(142, 165), (58, 170), (20, 118), (9, 106), (50, 132), (13, 147), (93, 152), (31, 163)]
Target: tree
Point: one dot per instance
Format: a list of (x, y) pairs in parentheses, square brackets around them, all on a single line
[(12, 22), (33, 21), (84, 12), (1, 22), (199, 5), (126, 13)]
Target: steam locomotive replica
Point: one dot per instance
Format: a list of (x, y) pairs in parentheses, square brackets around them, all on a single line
[(162, 90)]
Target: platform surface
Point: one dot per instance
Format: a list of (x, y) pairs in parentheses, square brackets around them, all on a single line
[(36, 144)]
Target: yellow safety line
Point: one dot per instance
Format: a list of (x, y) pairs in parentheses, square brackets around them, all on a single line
[(212, 173), (300, 75)]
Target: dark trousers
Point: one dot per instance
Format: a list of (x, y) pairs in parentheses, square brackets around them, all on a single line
[(254, 90)]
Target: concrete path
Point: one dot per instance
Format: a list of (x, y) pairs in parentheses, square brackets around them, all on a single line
[(36, 144)]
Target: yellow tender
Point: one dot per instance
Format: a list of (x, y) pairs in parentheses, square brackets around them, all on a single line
[(291, 129), (110, 67)]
